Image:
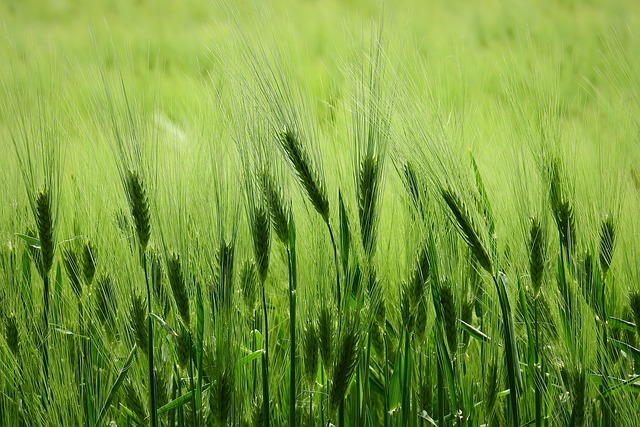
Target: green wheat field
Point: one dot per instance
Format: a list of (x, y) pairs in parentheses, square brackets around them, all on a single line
[(320, 213)]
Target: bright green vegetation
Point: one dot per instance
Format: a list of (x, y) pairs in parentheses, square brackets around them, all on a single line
[(220, 215)]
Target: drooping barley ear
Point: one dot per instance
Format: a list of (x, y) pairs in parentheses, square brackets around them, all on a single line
[(306, 173), (345, 363), (578, 410), (367, 187), (310, 351), (449, 316), (178, 286), (89, 262), (278, 208), (73, 271), (537, 253), (326, 331), (221, 397), (11, 335), (467, 228), (138, 322), (133, 400), (249, 283), (139, 206), (634, 304), (45, 228), (261, 233), (607, 242)]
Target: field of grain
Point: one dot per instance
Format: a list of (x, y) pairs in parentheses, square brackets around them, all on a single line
[(317, 213)]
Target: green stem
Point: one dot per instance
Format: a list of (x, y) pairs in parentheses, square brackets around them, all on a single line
[(45, 321), (406, 395), (291, 252), (535, 375), (387, 419), (441, 395), (152, 375), (253, 348), (265, 363)]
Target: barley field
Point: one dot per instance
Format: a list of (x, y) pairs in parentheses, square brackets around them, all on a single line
[(320, 213)]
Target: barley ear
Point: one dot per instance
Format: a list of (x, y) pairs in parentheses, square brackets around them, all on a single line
[(138, 322), (307, 175), (249, 283), (492, 387), (178, 286), (634, 304), (71, 266), (221, 397), (537, 254), (278, 209), (139, 206), (467, 228), (133, 400), (578, 410), (261, 233), (449, 316), (11, 335), (345, 364), (326, 334), (607, 242), (368, 184), (310, 351), (45, 229), (89, 262)]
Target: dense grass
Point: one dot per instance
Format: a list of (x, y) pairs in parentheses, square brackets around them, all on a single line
[(314, 214)]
